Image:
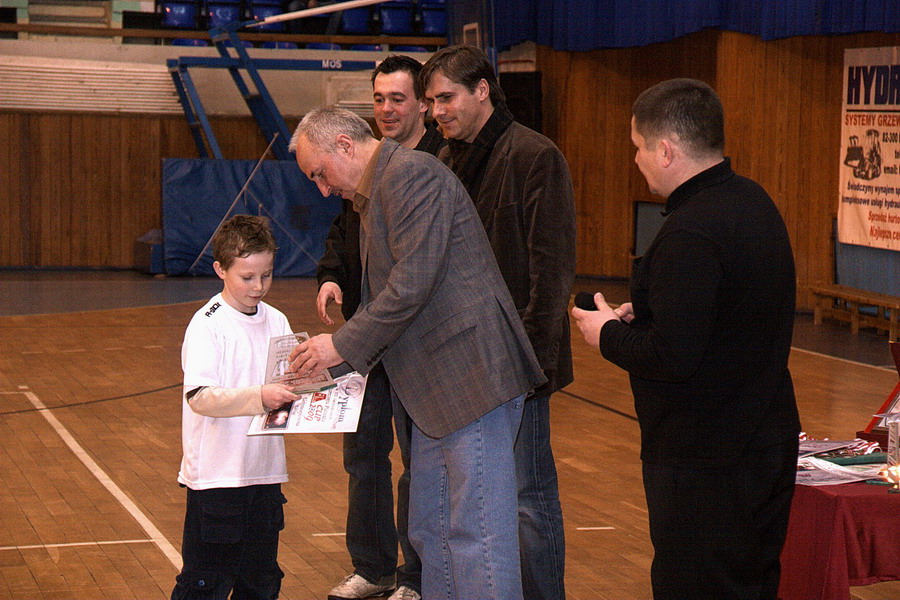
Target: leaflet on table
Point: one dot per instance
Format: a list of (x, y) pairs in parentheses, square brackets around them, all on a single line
[(815, 471), (335, 410), (810, 447), (278, 363)]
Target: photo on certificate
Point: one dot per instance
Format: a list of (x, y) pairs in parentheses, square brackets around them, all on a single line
[(278, 419), (278, 365)]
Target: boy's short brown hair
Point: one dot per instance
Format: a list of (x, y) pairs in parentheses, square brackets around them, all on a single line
[(241, 236)]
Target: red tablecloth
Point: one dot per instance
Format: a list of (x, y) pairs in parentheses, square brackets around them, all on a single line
[(838, 536)]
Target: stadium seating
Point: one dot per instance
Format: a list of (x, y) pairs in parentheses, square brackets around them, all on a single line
[(280, 45), (180, 15), (222, 12), (433, 15), (262, 9), (396, 18), (189, 42), (322, 46)]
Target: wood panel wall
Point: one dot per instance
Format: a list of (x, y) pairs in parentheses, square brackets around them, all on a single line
[(77, 190), (782, 104)]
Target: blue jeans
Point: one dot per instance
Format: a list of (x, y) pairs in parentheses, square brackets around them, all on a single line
[(541, 539), (462, 518), (371, 534)]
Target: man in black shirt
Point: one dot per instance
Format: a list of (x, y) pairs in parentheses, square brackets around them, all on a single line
[(706, 339), (372, 536)]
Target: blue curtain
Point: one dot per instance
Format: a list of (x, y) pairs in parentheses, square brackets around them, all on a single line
[(593, 24)]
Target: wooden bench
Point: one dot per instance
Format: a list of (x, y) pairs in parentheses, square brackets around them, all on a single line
[(843, 303)]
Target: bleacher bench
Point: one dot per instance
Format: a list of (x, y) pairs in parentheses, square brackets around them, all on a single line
[(843, 303)]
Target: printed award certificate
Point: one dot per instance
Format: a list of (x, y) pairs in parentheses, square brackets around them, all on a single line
[(277, 366), (334, 410)]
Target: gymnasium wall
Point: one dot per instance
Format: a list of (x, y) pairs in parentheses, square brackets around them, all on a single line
[(782, 105), (78, 190)]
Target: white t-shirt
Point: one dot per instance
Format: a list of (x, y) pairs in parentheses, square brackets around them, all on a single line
[(226, 348)]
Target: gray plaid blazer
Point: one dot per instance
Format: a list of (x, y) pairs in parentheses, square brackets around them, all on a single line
[(435, 309)]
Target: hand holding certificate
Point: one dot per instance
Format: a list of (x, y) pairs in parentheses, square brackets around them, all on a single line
[(334, 410), (278, 366)]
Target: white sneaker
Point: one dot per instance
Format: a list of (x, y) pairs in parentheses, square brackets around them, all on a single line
[(357, 587), (405, 593)]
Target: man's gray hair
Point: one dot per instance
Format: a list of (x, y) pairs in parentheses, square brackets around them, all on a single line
[(321, 126)]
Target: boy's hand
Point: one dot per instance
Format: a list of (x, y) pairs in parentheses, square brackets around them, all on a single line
[(313, 356), (328, 293), (274, 395)]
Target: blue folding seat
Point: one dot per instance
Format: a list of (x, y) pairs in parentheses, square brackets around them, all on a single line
[(262, 9), (280, 45), (322, 46), (366, 47), (355, 20), (402, 48), (434, 17), (396, 18), (189, 42), (182, 15), (223, 12)]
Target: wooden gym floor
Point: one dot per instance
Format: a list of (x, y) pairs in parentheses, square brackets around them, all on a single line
[(90, 421)]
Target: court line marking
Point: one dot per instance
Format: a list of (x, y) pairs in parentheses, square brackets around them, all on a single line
[(146, 524), (637, 508), (328, 534), (72, 544), (844, 360), (593, 528)]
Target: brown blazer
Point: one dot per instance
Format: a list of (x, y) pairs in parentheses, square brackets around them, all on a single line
[(435, 309), (526, 203)]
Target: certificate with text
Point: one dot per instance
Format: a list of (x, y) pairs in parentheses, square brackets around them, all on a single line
[(278, 363), (333, 410)]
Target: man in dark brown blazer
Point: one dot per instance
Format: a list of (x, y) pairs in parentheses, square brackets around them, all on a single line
[(435, 311), (522, 190)]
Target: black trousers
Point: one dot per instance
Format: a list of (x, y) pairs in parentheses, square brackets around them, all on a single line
[(231, 544), (372, 535), (717, 532)]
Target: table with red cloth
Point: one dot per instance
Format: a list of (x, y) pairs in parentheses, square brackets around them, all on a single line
[(838, 536)]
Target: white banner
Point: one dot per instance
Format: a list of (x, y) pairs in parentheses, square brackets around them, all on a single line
[(869, 196)]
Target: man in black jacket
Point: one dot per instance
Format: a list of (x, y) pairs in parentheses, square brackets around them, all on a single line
[(706, 339), (372, 536)]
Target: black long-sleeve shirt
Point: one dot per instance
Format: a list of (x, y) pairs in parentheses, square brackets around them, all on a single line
[(714, 299)]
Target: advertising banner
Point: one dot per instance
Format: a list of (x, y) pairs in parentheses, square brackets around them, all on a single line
[(869, 196)]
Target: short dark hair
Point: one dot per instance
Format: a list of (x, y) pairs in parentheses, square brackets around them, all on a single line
[(407, 64), (241, 236), (687, 108), (465, 65)]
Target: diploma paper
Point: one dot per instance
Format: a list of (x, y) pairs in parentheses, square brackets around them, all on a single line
[(335, 410), (277, 365)]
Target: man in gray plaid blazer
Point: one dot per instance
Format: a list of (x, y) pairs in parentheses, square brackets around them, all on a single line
[(436, 311)]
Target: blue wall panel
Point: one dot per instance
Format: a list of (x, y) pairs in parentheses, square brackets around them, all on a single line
[(197, 193), (864, 268)]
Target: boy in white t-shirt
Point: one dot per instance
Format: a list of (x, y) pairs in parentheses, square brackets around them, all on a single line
[(234, 501)]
